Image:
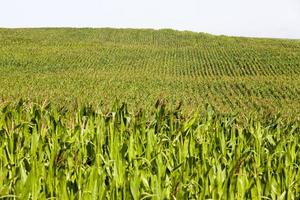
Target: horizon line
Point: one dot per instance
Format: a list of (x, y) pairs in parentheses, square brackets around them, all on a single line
[(146, 28)]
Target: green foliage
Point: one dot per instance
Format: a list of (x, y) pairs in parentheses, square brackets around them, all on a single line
[(49, 152), (140, 66)]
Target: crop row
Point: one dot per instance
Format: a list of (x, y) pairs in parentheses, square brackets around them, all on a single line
[(95, 65)]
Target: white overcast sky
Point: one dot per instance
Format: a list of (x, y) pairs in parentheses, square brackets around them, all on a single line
[(258, 18)]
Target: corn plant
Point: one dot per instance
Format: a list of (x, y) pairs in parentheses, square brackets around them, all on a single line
[(50, 152)]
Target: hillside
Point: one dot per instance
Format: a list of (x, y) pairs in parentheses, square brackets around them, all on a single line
[(139, 66), (59, 143)]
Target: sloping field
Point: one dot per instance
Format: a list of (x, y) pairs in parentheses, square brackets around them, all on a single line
[(49, 151), (139, 66)]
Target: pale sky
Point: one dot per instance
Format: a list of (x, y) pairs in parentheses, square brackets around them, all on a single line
[(256, 18)]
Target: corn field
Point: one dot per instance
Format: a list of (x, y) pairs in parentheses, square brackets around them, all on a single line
[(141, 66), (227, 125), (48, 152)]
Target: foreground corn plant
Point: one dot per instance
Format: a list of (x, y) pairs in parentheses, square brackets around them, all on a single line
[(47, 152)]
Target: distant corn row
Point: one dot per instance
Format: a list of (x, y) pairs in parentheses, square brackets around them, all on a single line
[(49, 152), (139, 66)]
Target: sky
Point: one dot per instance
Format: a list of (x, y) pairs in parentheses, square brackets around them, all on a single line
[(254, 18)]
